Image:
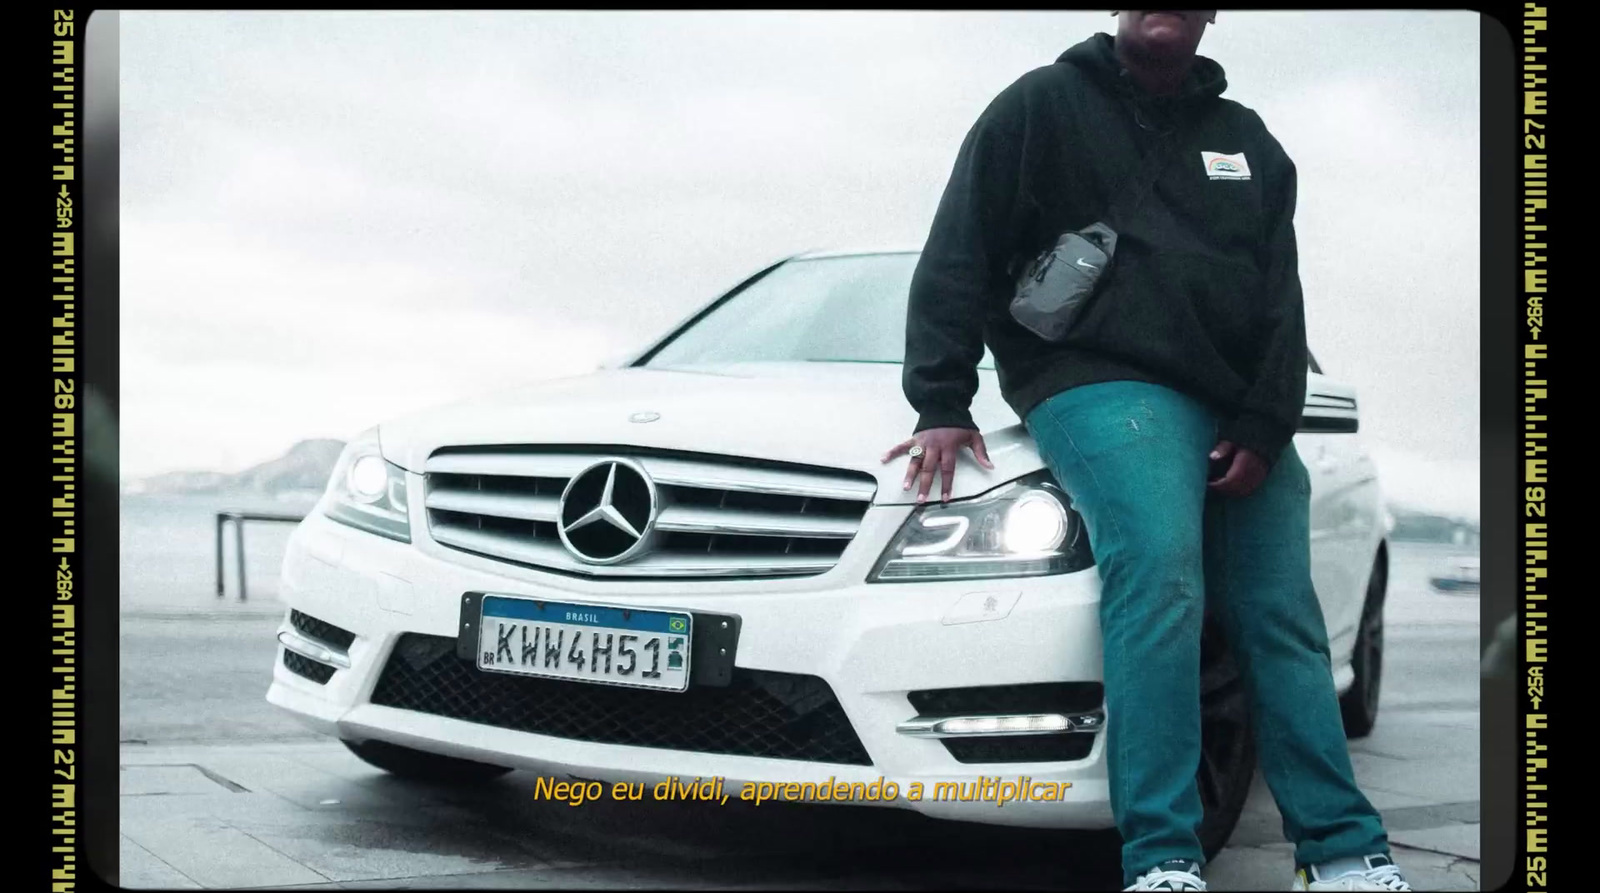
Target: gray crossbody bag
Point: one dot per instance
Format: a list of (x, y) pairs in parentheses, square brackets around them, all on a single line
[(1054, 287)]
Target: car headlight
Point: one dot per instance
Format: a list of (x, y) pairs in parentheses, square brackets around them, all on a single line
[(1023, 529), (368, 492)]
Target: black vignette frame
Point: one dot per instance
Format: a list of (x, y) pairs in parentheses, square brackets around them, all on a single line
[(100, 358), (1498, 413), (98, 813)]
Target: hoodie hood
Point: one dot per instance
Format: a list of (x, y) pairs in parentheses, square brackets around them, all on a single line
[(1097, 57)]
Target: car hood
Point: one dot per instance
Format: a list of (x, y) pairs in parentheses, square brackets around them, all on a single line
[(830, 415)]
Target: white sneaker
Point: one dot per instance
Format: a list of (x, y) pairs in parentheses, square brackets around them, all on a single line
[(1361, 873), (1175, 875)]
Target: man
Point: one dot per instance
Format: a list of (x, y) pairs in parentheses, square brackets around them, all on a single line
[(1167, 413)]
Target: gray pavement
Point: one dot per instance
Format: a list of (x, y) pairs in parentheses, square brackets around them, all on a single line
[(219, 790)]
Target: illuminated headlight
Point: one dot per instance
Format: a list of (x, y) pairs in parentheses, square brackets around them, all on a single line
[(368, 492), (1003, 725), (1023, 529)]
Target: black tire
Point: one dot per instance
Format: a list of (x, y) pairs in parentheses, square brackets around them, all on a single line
[(1227, 742), (418, 765), (1359, 705)]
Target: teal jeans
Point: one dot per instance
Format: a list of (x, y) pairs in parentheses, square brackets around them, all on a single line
[(1134, 458)]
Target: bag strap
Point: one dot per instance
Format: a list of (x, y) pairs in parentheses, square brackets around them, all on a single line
[(1144, 179), (1134, 190)]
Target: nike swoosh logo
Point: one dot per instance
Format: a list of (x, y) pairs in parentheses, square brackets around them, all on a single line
[(1087, 266)]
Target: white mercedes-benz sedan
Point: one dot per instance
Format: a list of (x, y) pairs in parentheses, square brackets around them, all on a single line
[(694, 565)]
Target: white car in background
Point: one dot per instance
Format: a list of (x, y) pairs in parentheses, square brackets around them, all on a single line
[(694, 564)]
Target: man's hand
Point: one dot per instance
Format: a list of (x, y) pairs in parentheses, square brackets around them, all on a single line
[(938, 450), (1242, 470)]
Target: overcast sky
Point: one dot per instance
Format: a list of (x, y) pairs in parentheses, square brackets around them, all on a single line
[(332, 218)]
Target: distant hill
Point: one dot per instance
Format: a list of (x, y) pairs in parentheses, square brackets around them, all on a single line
[(1421, 526), (1426, 485), (305, 467)]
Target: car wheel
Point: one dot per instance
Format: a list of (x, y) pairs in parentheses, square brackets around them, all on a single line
[(418, 765), (1359, 705), (1227, 742)]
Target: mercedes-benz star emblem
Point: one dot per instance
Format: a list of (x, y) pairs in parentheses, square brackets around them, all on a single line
[(607, 512)]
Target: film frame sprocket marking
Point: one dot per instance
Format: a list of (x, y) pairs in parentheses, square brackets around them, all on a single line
[(66, 427), (1534, 653)]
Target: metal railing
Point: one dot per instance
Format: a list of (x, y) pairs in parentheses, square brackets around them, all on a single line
[(238, 519)]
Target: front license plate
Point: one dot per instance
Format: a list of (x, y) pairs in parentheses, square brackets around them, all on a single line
[(585, 643)]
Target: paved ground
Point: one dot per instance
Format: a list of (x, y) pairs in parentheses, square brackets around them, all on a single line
[(219, 790)]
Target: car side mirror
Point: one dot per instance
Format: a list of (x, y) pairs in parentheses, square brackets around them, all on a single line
[(1329, 414)]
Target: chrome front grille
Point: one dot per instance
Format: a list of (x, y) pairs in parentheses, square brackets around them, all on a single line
[(713, 517)]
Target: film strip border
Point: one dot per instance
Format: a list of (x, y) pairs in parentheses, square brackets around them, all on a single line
[(64, 104), (1535, 418), (65, 247)]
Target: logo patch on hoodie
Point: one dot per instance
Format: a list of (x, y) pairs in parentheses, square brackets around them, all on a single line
[(1225, 167)]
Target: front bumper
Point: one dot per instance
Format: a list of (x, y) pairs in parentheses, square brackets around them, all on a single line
[(872, 644)]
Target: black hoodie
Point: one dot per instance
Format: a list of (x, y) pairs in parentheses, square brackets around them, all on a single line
[(1203, 294)]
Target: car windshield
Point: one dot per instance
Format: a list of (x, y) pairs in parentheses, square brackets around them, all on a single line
[(848, 309)]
